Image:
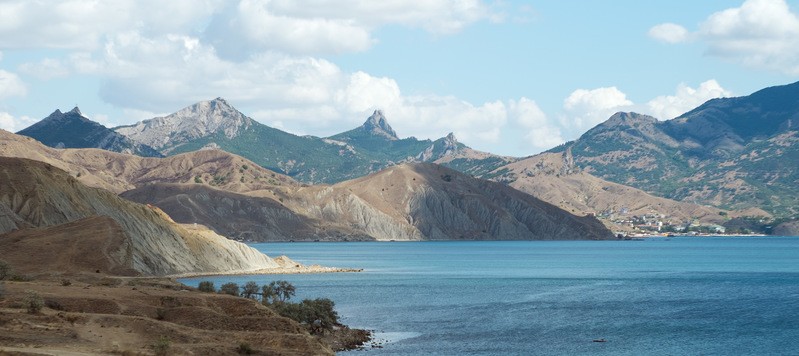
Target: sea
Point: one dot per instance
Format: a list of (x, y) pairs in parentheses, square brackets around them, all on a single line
[(656, 296)]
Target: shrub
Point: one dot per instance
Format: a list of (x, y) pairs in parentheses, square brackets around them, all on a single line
[(5, 270), (206, 286), (230, 288), (53, 304), (161, 346), (318, 314), (160, 314), (250, 290), (33, 302), (245, 349), (65, 282)]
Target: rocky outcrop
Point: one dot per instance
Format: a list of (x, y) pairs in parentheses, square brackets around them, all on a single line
[(199, 120), (378, 125)]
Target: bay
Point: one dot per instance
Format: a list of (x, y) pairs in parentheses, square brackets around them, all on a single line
[(676, 296)]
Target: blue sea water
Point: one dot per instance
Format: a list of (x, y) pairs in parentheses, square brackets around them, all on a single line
[(677, 296)]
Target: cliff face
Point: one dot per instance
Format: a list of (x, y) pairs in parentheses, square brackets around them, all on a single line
[(41, 195)]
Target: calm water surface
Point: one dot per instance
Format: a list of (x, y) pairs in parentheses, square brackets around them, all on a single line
[(678, 296)]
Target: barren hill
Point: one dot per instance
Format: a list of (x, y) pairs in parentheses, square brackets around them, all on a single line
[(43, 199), (431, 202), (118, 172), (554, 177), (258, 216)]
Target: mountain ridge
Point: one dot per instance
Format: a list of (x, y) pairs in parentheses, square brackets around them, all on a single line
[(73, 130)]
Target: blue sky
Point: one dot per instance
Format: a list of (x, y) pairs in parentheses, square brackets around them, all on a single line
[(509, 77)]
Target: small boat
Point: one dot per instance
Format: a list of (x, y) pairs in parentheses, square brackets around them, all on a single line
[(600, 340)]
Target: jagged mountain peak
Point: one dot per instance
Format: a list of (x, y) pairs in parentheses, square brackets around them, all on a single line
[(378, 125), (73, 130), (202, 119)]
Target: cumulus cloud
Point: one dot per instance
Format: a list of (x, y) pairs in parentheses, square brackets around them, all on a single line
[(13, 124), (669, 33), (83, 24), (759, 34), (667, 107), (237, 29), (584, 109), (11, 85), (45, 69), (542, 133)]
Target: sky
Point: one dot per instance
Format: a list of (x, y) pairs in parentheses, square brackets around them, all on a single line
[(509, 77)]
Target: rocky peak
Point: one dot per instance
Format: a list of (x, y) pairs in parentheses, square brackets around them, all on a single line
[(202, 119), (378, 125), (450, 140), (76, 110)]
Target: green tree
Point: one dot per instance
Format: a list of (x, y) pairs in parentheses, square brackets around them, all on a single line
[(250, 290), (206, 286), (230, 288), (283, 289), (268, 293)]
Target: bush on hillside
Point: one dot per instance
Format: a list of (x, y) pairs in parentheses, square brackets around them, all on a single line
[(206, 286), (230, 288)]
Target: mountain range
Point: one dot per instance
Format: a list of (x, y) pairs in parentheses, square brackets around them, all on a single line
[(352, 154), (731, 153), (242, 200), (73, 130), (730, 158)]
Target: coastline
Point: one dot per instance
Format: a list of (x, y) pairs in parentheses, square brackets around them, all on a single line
[(285, 266), (313, 269)]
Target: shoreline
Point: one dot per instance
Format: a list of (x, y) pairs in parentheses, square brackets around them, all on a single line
[(313, 269), (285, 265)]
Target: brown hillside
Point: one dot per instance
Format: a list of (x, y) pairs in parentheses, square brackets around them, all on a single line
[(44, 196), (427, 201), (553, 177), (239, 216), (119, 172), (101, 315)]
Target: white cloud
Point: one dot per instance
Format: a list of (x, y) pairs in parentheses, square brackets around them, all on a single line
[(13, 124), (584, 109), (237, 29), (83, 24), (667, 107), (760, 34), (542, 133), (45, 69), (669, 33), (11, 85)]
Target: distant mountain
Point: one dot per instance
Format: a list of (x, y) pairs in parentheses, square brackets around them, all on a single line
[(355, 153), (732, 153), (52, 218), (73, 130), (553, 177)]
